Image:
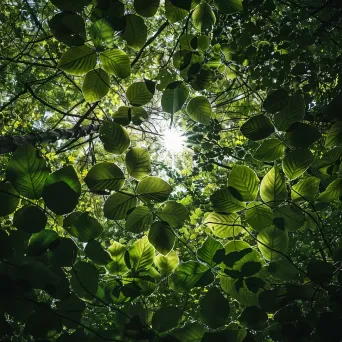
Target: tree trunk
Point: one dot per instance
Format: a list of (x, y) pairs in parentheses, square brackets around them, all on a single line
[(10, 143)]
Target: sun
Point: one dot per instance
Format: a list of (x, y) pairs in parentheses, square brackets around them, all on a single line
[(173, 140)]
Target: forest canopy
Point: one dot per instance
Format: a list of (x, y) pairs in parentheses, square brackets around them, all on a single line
[(171, 170)]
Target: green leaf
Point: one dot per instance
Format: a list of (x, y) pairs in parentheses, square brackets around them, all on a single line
[(224, 225), (123, 116), (166, 263), (146, 8), (138, 163), (71, 309), (293, 111), (141, 255), (259, 216), (63, 252), (135, 32), (208, 250), (161, 237), (96, 85), (138, 94), (114, 137), (139, 220), (214, 308), (30, 219), (62, 190), (9, 199), (269, 150), (117, 206), (41, 241), (305, 190), (228, 6), (95, 252), (101, 34), (293, 218), (199, 109), (104, 176), (332, 192), (139, 115), (297, 162), (224, 202), (116, 62), (71, 6), (276, 101), (173, 13), (272, 240), (82, 226), (84, 280), (78, 60), (186, 276), (154, 189), (166, 318), (203, 17), (174, 97), (185, 4), (272, 188), (253, 317), (27, 172), (320, 271), (257, 127), (191, 332), (243, 183), (118, 265), (175, 214), (302, 135), (283, 269), (334, 137)]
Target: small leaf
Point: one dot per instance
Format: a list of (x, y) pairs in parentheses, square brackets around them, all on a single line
[(272, 188), (104, 176), (332, 192), (203, 17), (63, 252), (161, 237), (257, 127), (174, 97), (250, 268), (224, 202), (166, 318), (40, 242), (139, 94), (224, 225), (146, 8), (297, 162), (269, 150), (259, 216), (173, 13), (116, 62), (139, 220), (320, 271), (138, 163), (175, 214), (207, 252), (141, 255), (30, 219), (334, 137), (114, 137), (292, 216), (199, 109), (118, 265), (117, 206), (135, 32), (166, 264), (302, 135), (154, 189), (276, 101), (95, 252), (253, 317), (305, 190), (96, 85)]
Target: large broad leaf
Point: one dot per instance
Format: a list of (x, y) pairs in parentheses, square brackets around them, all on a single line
[(258, 127), (224, 202), (276, 101), (154, 189), (272, 240), (208, 250), (135, 32), (334, 137), (224, 225), (297, 162), (141, 255), (68, 28), (118, 265), (78, 60), (9, 199), (123, 115), (84, 280), (104, 176), (259, 216), (305, 190), (27, 172), (71, 309), (187, 275), (203, 17), (146, 8), (114, 137), (253, 317), (96, 85), (139, 220), (269, 150), (332, 192), (174, 13), (82, 226), (289, 217), (30, 219), (71, 6), (162, 237), (116, 62), (95, 252), (138, 163), (63, 252), (243, 183), (293, 111), (191, 332), (166, 263), (199, 109), (117, 206), (101, 33), (228, 6), (166, 318), (214, 308), (302, 135), (174, 97), (139, 93), (272, 188), (175, 214), (41, 241), (62, 190)]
